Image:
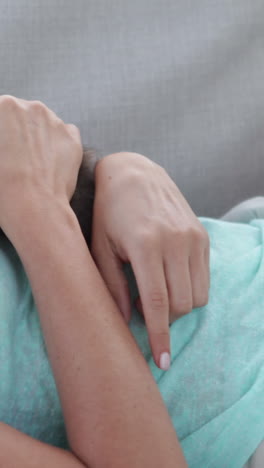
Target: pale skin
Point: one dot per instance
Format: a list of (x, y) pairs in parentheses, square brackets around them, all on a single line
[(147, 221), (133, 410), (141, 216)]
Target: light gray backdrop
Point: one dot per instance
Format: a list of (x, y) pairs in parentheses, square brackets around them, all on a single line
[(180, 81)]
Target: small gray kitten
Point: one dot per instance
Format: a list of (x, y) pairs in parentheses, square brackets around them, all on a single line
[(83, 197)]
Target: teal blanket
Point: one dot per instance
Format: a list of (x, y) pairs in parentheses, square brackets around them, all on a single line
[(214, 390)]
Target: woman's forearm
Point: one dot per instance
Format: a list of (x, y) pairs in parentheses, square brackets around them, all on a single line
[(113, 411), (20, 450)]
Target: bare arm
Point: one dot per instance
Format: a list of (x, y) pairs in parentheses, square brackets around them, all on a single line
[(22, 451), (114, 414)]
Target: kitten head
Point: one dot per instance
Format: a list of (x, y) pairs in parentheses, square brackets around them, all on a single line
[(83, 197)]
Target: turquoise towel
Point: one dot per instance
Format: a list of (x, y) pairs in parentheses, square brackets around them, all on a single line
[(214, 390)]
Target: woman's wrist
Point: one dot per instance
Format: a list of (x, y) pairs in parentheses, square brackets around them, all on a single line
[(30, 213)]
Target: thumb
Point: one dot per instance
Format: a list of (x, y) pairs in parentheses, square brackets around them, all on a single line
[(110, 267)]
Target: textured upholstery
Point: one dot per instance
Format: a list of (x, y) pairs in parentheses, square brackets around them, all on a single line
[(179, 81)]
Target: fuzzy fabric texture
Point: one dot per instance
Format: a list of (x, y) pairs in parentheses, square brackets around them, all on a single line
[(214, 387)]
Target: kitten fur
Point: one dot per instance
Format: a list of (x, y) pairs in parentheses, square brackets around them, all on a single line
[(83, 197)]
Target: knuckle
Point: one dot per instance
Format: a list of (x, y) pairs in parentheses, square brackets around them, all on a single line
[(199, 237), (185, 236), (75, 134), (201, 300), (174, 232), (203, 234), (158, 301), (145, 238), (180, 238), (74, 128), (160, 333), (180, 233), (196, 234), (161, 169), (9, 101), (183, 306), (38, 107)]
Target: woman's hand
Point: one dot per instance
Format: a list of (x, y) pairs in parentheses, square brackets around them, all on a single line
[(39, 155), (141, 217)]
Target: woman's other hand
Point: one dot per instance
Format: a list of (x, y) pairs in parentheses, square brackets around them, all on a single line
[(39, 155), (141, 217)]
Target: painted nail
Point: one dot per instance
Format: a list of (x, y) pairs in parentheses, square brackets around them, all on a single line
[(164, 361)]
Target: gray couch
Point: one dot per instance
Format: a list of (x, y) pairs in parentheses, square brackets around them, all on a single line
[(179, 81)]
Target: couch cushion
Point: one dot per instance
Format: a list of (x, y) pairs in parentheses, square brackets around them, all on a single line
[(180, 82)]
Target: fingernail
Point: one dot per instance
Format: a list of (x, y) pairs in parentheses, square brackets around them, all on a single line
[(164, 361)]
